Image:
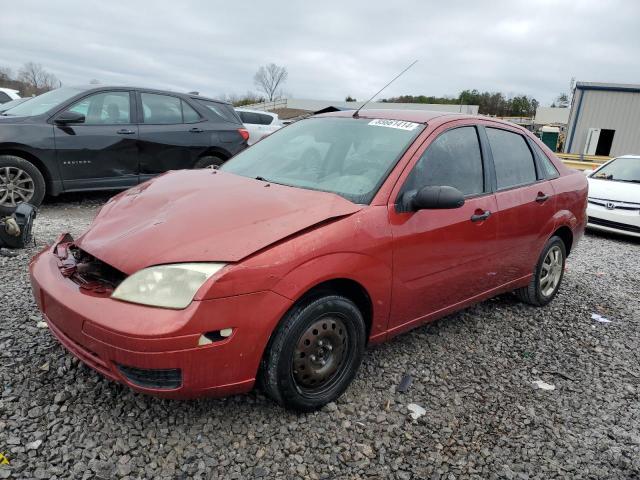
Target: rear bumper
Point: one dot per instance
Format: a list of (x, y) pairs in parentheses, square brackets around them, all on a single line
[(107, 334), (621, 221)]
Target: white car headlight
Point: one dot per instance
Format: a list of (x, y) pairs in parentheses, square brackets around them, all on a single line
[(167, 286)]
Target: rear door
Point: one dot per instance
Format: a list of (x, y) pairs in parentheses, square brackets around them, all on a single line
[(444, 257), (526, 201), (102, 151), (173, 135)]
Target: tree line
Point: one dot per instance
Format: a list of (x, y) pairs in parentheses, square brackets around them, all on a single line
[(31, 79), (489, 103)]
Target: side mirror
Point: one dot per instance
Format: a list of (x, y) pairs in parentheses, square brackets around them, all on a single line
[(437, 198), (65, 118)]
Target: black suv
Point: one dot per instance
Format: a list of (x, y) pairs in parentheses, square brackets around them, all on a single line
[(92, 138)]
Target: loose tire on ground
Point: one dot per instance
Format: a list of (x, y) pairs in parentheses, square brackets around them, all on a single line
[(20, 180), (314, 353), (539, 293), (210, 161)]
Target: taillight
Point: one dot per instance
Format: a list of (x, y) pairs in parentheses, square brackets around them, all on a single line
[(244, 133)]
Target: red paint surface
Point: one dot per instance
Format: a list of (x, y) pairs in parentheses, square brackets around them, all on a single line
[(282, 241)]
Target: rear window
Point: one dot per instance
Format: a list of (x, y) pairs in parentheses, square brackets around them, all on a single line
[(255, 118), (512, 159), (222, 111)]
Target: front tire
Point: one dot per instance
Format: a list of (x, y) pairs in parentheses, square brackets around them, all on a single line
[(547, 276), (20, 181), (314, 353)]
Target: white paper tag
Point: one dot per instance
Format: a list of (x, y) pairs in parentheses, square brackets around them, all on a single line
[(399, 124)]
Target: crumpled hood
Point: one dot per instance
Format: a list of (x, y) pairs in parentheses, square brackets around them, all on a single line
[(203, 215), (614, 191)]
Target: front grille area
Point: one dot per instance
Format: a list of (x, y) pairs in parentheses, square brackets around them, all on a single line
[(87, 271), (165, 379), (617, 225)]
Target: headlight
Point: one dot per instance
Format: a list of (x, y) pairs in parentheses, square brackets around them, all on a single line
[(167, 286)]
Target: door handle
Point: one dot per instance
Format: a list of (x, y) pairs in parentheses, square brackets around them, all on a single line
[(478, 217), (125, 131), (541, 198), (196, 130)]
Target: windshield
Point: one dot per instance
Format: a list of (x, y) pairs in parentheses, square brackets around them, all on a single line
[(347, 156), (621, 170), (43, 103)]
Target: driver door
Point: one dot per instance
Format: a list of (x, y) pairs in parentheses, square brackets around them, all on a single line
[(102, 151), (441, 258)]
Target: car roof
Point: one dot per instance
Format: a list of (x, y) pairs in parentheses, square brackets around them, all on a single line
[(88, 88), (418, 116)]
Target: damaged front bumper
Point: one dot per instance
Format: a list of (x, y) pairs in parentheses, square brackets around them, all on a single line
[(155, 350)]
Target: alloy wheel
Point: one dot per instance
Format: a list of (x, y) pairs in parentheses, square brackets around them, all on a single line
[(551, 271), (16, 186)]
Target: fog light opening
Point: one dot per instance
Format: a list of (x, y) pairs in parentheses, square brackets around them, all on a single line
[(214, 336)]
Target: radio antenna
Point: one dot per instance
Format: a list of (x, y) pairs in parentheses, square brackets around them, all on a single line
[(355, 115)]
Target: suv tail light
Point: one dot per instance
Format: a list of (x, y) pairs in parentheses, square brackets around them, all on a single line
[(244, 133)]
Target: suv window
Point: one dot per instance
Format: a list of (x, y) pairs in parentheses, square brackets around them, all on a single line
[(512, 158), (454, 160), (105, 108), (548, 168), (189, 115), (221, 111), (161, 109)]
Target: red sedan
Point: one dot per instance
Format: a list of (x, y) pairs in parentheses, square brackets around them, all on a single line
[(333, 233)]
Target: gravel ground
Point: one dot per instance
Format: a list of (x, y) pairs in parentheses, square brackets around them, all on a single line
[(473, 373)]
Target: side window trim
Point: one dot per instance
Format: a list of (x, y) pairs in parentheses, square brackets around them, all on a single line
[(533, 157), (486, 180), (536, 155)]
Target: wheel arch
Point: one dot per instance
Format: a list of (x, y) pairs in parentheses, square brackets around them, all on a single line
[(566, 235), (214, 151), (30, 157)]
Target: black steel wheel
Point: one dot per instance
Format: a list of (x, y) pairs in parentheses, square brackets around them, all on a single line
[(314, 353)]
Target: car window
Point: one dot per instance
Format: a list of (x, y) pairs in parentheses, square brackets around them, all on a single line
[(221, 111), (622, 169), (548, 168), (161, 109), (264, 119), (105, 108), (453, 160), (189, 115), (4, 97), (512, 158)]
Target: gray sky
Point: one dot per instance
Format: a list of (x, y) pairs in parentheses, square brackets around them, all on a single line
[(331, 48)]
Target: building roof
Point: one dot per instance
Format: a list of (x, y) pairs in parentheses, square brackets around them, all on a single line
[(612, 87)]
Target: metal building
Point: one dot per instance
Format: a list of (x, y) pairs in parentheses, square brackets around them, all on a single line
[(604, 119)]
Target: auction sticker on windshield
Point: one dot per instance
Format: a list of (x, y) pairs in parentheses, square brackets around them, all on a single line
[(380, 122)]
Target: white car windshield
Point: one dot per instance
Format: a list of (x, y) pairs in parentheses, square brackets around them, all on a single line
[(623, 169), (347, 156)]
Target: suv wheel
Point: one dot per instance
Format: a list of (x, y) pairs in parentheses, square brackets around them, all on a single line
[(20, 181), (210, 161), (314, 354), (547, 275)]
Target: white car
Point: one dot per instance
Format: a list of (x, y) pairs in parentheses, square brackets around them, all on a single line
[(8, 94), (614, 196), (259, 123)]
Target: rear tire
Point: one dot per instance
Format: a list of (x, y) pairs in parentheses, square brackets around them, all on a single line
[(20, 181), (314, 353), (210, 161), (547, 275)]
